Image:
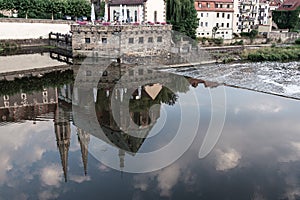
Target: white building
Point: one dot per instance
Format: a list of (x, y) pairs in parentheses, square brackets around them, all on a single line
[(216, 14), (136, 10)]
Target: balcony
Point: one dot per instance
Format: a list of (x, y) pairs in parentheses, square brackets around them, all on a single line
[(246, 19), (246, 3)]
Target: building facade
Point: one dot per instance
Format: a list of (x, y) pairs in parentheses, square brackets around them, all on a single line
[(215, 18), (135, 11)]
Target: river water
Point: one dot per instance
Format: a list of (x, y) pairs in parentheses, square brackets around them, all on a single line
[(91, 137)]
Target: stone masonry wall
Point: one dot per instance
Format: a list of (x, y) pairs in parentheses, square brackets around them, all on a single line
[(114, 41)]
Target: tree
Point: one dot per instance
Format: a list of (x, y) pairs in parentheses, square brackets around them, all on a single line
[(55, 7), (27, 5), (287, 19), (183, 16), (214, 31), (78, 8), (252, 35), (6, 5)]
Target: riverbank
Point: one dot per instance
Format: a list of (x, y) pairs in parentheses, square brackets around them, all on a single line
[(280, 54)]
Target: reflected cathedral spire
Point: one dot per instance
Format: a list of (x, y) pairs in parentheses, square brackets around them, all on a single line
[(83, 139), (62, 133)]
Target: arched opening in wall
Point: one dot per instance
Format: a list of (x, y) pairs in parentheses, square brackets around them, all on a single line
[(155, 16)]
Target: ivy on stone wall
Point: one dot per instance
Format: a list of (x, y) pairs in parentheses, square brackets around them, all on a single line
[(287, 19)]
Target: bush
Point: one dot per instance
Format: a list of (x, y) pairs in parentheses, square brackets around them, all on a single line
[(297, 41), (218, 41), (244, 34)]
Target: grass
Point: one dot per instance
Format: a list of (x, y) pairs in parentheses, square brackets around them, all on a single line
[(280, 54)]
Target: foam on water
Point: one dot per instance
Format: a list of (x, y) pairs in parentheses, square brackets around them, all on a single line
[(271, 77)]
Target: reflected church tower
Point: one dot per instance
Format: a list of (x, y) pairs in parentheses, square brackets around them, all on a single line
[(63, 137), (84, 140)]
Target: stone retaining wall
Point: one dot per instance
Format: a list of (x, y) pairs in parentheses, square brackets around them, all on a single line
[(44, 21), (114, 41), (284, 36)]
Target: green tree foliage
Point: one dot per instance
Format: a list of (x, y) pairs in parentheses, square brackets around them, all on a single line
[(78, 8), (102, 9), (55, 7), (47, 8), (287, 19), (6, 5), (27, 5), (183, 16)]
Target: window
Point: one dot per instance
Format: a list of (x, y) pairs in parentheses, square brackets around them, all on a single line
[(104, 40), (217, 5), (218, 14), (228, 16), (131, 72), (208, 5), (87, 40), (141, 40), (155, 16), (206, 24), (206, 14), (201, 23), (228, 5), (88, 73), (199, 5), (141, 71), (221, 5), (217, 24), (222, 25), (201, 14), (223, 15), (159, 39), (227, 25), (130, 40), (135, 16), (150, 40)]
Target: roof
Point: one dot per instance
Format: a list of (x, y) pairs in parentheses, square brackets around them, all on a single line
[(289, 5), (126, 2), (271, 3), (217, 1)]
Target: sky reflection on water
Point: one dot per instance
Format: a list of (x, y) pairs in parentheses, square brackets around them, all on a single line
[(256, 157)]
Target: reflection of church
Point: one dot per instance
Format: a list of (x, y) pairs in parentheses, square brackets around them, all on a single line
[(122, 126), (62, 127)]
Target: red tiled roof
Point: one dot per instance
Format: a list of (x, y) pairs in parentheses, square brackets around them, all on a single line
[(126, 2), (289, 5), (217, 1)]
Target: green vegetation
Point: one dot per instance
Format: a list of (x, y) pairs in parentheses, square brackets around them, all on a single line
[(297, 41), (287, 19), (273, 54), (31, 84), (211, 41), (45, 9), (183, 16), (241, 42)]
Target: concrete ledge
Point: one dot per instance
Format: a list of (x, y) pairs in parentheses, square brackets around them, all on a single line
[(44, 21)]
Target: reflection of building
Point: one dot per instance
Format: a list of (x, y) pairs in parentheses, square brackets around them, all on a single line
[(24, 106), (83, 139), (63, 135), (124, 107)]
